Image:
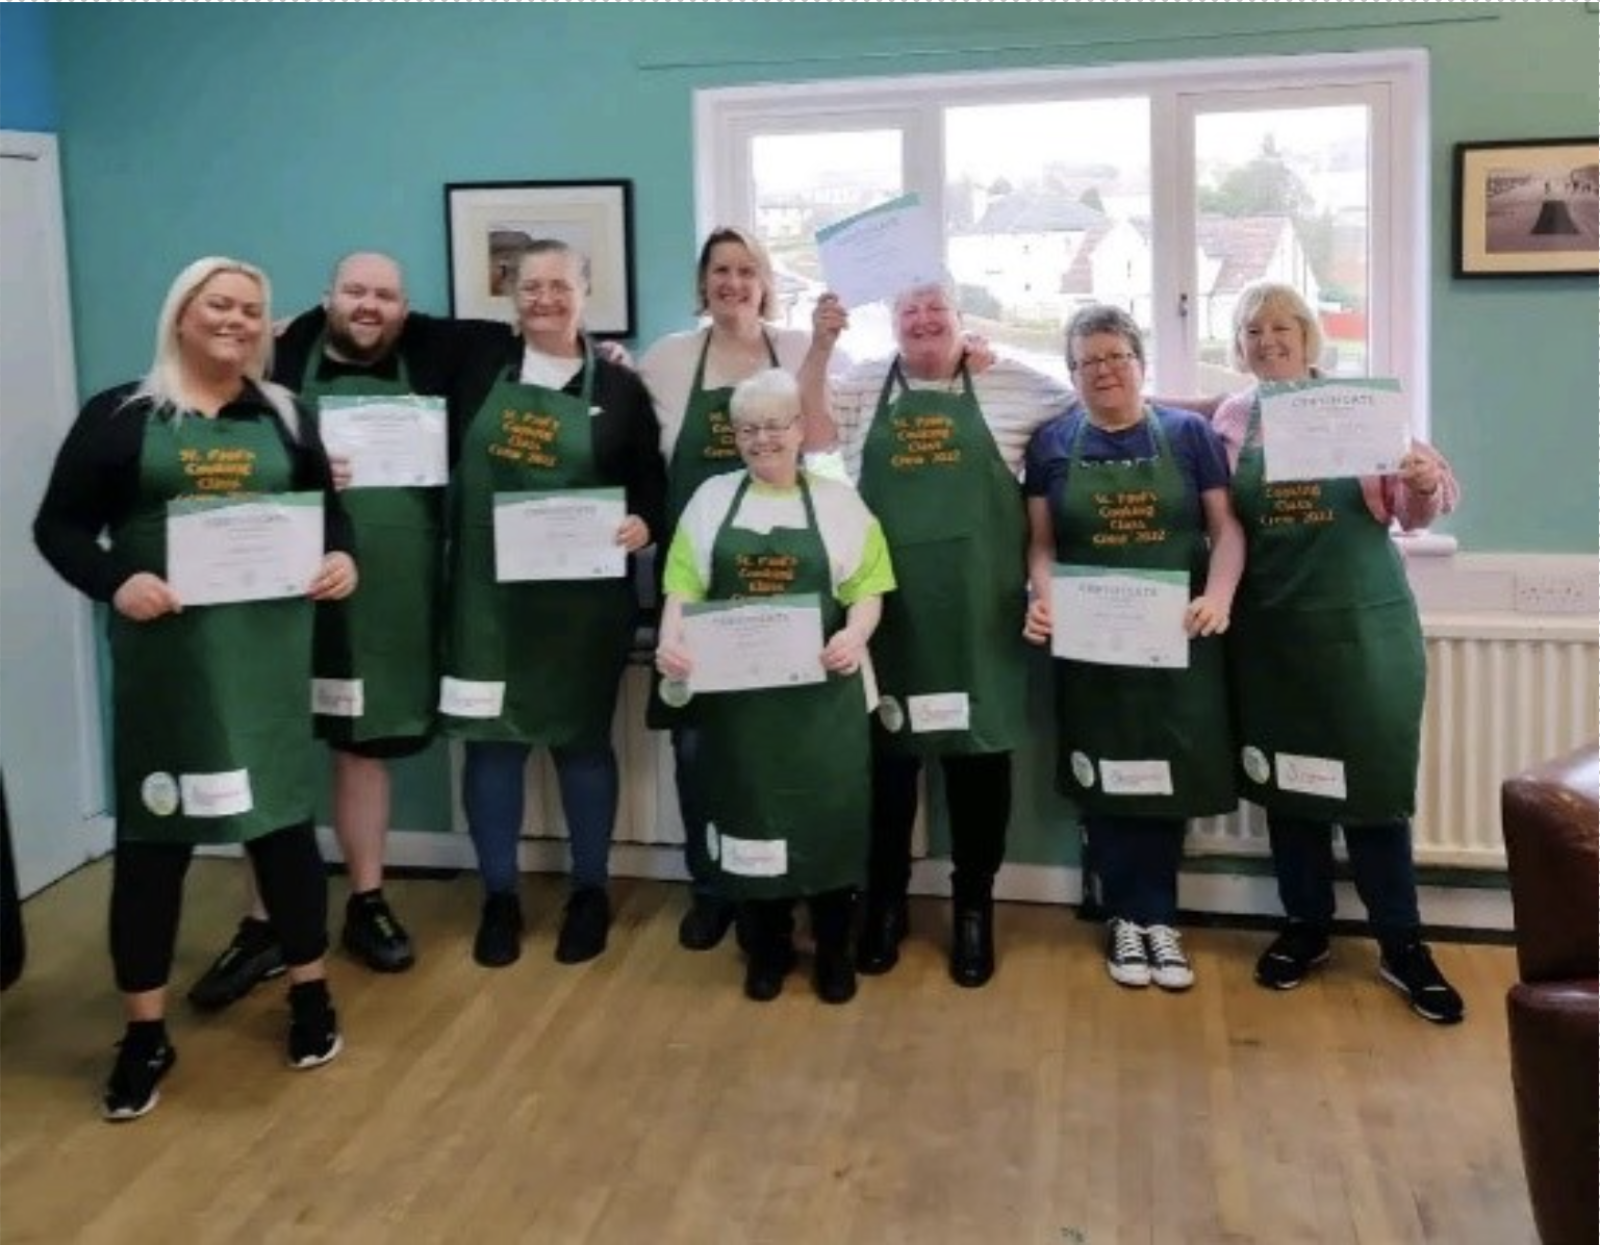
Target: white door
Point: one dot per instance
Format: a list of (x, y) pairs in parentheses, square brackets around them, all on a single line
[(50, 748)]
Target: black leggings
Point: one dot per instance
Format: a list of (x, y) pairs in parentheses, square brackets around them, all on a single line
[(977, 790), (147, 899)]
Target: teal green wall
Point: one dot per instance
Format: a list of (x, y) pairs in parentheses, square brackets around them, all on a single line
[(289, 133)]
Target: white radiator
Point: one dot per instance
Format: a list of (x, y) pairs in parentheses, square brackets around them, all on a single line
[(1501, 696)]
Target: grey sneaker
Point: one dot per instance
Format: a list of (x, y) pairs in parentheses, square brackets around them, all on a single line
[(1126, 959)]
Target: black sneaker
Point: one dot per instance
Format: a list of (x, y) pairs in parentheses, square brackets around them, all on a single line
[(1410, 969), (584, 927), (1292, 955), (705, 923), (131, 1088), (314, 1038), (252, 957), (499, 940), (373, 935)]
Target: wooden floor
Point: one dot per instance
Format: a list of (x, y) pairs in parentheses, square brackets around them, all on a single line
[(641, 1098)]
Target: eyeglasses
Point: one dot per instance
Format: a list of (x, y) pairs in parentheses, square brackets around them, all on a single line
[(1117, 359), (771, 427)]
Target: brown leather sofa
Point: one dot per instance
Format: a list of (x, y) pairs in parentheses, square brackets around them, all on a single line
[(1548, 817)]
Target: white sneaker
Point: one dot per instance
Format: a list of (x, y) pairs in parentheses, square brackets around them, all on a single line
[(1169, 966), (1125, 955)]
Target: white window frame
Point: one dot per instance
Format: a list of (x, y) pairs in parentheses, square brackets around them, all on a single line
[(1394, 82)]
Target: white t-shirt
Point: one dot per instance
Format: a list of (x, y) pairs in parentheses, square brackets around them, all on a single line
[(1015, 400), (552, 371)]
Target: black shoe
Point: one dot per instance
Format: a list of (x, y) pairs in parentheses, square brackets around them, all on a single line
[(499, 939), (764, 974), (883, 928), (314, 1039), (972, 945), (373, 935), (585, 926), (131, 1088), (1292, 955), (1410, 969), (252, 957), (833, 975), (705, 923)]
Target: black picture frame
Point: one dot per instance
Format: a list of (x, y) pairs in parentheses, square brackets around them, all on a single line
[(487, 221), (1526, 208)]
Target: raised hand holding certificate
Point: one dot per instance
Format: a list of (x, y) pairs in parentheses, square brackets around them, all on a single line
[(1323, 429), (221, 551), (1119, 617), (742, 646), (878, 253), (566, 534), (391, 442)]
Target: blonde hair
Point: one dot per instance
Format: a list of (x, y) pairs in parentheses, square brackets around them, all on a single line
[(1265, 298), (769, 394), (164, 386), (758, 252)]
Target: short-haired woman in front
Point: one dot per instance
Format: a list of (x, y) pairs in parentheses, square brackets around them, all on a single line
[(1115, 485), (211, 718)]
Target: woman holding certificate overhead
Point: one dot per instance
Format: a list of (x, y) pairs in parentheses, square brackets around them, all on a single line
[(215, 498), (778, 675), (1133, 557), (559, 480), (1329, 673)]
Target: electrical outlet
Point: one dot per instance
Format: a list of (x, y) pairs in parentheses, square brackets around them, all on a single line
[(1554, 592)]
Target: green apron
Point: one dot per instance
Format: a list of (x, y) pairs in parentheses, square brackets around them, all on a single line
[(788, 770), (1122, 714), (704, 448), (949, 653), (383, 640), (1329, 671), (212, 731), (536, 662)]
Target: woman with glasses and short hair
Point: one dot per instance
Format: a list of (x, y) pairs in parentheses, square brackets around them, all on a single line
[(1121, 489), (787, 777)]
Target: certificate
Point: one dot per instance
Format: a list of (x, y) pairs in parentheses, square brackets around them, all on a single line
[(743, 646), (1119, 617), (570, 534), (880, 252), (1323, 429), (391, 442), (220, 550)]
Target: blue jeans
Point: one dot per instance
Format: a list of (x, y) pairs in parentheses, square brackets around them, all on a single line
[(493, 790), (1137, 859), (1380, 863)]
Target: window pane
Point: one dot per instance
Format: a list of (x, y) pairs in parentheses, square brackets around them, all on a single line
[(1047, 209), (806, 181), (1283, 195)]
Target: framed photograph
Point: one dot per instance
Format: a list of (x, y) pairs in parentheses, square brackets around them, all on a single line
[(488, 223), (1526, 208)]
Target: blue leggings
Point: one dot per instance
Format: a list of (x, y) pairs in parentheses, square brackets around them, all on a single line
[(493, 790), (1380, 864)]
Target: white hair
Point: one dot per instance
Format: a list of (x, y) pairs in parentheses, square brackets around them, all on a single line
[(164, 384), (769, 394)]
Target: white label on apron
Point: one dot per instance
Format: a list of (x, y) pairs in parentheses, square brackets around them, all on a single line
[(755, 858), (1311, 775), (338, 698), (471, 698), (942, 711), (216, 795), (1136, 777)]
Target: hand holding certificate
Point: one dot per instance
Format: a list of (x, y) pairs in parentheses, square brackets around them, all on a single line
[(741, 646), (1119, 618), (569, 534), (880, 252), (1323, 429), (221, 551), (391, 442)]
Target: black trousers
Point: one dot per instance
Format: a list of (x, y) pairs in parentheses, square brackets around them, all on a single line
[(977, 792), (147, 900), (767, 925)]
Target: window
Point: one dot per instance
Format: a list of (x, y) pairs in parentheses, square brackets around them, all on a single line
[(1164, 189)]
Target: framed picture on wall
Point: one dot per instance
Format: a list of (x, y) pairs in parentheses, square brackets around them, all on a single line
[(489, 223), (1526, 208)]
